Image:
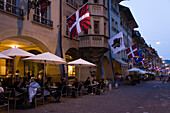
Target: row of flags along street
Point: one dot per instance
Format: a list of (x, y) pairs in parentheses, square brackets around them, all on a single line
[(80, 21)]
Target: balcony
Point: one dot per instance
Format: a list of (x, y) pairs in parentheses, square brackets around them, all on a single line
[(92, 47), (98, 10), (93, 41), (72, 3), (7, 7), (43, 21)]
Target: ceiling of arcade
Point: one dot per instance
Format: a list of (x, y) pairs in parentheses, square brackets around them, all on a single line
[(20, 43)]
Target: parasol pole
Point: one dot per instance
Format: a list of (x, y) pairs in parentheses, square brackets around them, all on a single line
[(79, 72), (44, 74)]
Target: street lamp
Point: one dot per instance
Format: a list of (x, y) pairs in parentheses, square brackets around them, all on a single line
[(158, 42)]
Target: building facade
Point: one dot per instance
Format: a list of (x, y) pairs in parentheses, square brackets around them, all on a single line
[(36, 34)]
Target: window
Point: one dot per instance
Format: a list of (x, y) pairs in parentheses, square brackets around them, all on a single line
[(112, 2), (71, 71), (43, 18), (116, 5), (104, 2), (95, 1), (116, 25), (105, 28), (96, 27), (86, 31), (67, 28), (10, 5), (112, 22), (85, 1)]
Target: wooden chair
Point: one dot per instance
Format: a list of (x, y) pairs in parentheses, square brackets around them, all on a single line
[(64, 92), (15, 96), (4, 99), (39, 96), (78, 91)]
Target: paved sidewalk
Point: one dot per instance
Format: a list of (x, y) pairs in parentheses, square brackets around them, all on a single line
[(148, 97)]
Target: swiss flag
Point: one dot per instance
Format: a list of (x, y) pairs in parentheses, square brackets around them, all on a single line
[(132, 51)]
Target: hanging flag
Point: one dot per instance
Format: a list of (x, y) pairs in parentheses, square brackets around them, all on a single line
[(79, 21), (44, 4), (138, 58), (132, 51), (150, 66), (117, 43), (146, 63)]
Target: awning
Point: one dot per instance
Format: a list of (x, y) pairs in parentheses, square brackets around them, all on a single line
[(121, 61)]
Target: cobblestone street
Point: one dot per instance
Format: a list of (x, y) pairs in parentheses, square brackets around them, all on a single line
[(148, 97)]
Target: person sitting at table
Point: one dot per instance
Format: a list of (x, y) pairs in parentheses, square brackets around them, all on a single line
[(1, 88), (76, 84), (17, 74), (1, 97), (19, 84), (40, 79), (32, 90), (9, 74), (94, 81), (64, 81), (87, 84)]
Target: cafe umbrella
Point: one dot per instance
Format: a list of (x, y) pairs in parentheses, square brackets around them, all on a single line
[(2, 56), (81, 63), (46, 57), (16, 52)]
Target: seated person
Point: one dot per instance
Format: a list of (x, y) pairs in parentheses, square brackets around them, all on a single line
[(19, 84), (32, 90), (94, 81), (17, 74), (101, 83), (1, 88), (87, 84), (106, 81), (9, 74), (76, 84)]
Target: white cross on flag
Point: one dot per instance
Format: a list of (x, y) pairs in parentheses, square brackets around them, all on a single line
[(132, 51), (117, 43), (79, 21)]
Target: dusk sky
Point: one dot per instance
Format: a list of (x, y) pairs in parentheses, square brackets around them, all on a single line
[(153, 19)]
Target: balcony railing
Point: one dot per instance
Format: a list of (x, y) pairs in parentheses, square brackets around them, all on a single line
[(93, 41), (7, 7), (72, 2), (42, 20)]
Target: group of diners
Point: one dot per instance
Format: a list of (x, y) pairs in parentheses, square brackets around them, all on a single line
[(32, 85), (94, 86)]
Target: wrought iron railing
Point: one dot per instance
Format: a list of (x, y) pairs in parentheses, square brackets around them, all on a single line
[(42, 20), (72, 2), (5, 6)]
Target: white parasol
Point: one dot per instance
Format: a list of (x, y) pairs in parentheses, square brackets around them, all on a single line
[(81, 63), (46, 57), (16, 52)]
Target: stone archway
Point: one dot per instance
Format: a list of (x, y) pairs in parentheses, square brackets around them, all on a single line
[(70, 55), (26, 43)]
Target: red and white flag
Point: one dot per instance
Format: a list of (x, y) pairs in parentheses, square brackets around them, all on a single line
[(79, 21), (132, 51)]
